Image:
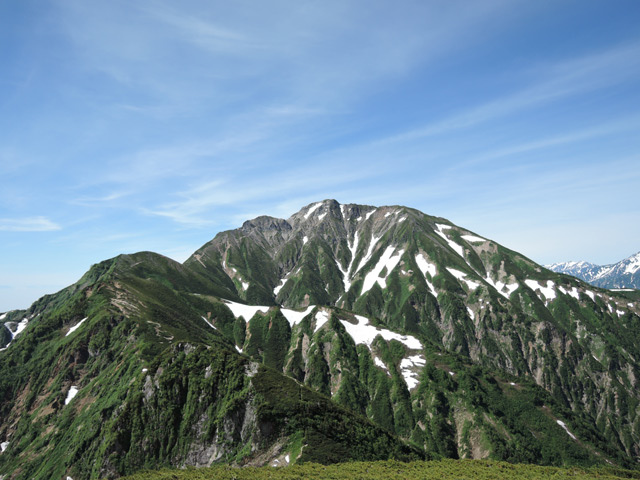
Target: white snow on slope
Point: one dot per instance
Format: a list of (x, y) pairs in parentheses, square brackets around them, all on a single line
[(277, 289), (246, 311), (500, 286), (634, 265), (387, 260), (3, 446), (473, 238), (591, 295), (346, 274), (370, 213), (367, 257), (245, 285), (343, 210), (363, 332), (548, 291), (471, 314), (573, 292), (431, 288), (76, 326), (380, 363), (73, 391), (407, 366), (463, 276), (305, 239), (209, 323), (387, 214), (312, 209), (293, 316), (21, 326), (457, 248), (2, 317), (424, 265), (562, 424), (322, 216), (322, 317)]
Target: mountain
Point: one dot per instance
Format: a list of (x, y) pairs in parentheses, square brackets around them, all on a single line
[(346, 332), (624, 274)]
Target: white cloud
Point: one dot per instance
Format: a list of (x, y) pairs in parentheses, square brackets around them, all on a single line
[(31, 224)]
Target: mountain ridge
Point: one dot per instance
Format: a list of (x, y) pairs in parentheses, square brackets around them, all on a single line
[(622, 274), (450, 343)]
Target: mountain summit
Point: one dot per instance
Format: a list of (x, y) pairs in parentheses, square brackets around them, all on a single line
[(624, 274), (345, 332)]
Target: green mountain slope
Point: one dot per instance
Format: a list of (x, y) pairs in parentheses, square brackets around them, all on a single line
[(346, 332)]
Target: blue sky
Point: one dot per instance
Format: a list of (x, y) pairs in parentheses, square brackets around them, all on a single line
[(153, 125)]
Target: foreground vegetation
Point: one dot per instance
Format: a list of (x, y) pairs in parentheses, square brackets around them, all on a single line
[(442, 469)]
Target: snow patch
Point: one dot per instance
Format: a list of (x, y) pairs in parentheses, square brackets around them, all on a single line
[(573, 292), (367, 257), (346, 274), (287, 458), (473, 238), (500, 286), (322, 317), (457, 248), (591, 294), (245, 285), (363, 332), (633, 266), (548, 291), (305, 239), (21, 326), (246, 311), (322, 216), (431, 288), (368, 215), (209, 323), (463, 276), (238, 349), (380, 363), (407, 367), (387, 260), (73, 391), (562, 424), (3, 446), (424, 265), (277, 289), (402, 219), (76, 326), (293, 316), (471, 314), (312, 209), (387, 214), (3, 316)]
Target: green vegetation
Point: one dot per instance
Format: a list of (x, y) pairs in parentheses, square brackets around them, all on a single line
[(389, 470)]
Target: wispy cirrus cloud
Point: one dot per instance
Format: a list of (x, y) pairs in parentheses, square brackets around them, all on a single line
[(548, 83), (30, 224)]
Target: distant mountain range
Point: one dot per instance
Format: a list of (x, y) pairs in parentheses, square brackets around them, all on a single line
[(345, 332), (624, 274)]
